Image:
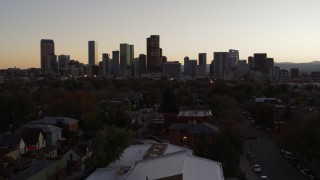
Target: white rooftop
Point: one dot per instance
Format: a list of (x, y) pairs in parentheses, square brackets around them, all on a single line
[(179, 163), (135, 153), (129, 158), (102, 173)]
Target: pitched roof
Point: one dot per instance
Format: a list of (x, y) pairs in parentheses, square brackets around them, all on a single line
[(31, 135), (204, 128), (45, 128)]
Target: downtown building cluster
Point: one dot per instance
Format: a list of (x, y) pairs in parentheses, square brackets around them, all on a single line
[(123, 64)]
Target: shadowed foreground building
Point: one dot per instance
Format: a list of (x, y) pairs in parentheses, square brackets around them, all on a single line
[(159, 161)]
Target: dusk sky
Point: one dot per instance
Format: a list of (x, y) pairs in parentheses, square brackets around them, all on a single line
[(288, 30)]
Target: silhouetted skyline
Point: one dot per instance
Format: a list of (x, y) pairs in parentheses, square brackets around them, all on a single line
[(287, 30)]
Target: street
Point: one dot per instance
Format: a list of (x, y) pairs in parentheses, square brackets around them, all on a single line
[(267, 156)]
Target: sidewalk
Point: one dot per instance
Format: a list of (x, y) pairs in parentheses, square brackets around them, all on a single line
[(244, 165)]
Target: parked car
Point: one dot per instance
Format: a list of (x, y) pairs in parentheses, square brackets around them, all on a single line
[(288, 155), (257, 168), (263, 178)]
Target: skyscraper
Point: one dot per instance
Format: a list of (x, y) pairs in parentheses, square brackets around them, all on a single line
[(106, 64), (63, 64), (233, 58), (154, 52), (124, 60), (142, 64), (46, 50), (220, 64), (203, 59), (115, 62), (132, 64), (92, 53)]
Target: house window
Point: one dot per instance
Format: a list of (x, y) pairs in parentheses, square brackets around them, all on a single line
[(71, 157)]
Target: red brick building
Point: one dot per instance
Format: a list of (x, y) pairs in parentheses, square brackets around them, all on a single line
[(186, 134)]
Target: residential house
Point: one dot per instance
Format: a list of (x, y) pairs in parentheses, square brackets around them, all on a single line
[(9, 161), (70, 129), (76, 157), (10, 140), (52, 133)]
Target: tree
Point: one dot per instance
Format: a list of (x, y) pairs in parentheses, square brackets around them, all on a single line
[(107, 146), (264, 114), (16, 108), (169, 101), (226, 149)]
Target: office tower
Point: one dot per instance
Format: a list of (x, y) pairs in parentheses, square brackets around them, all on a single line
[(212, 68), (63, 64), (136, 70), (251, 63), (171, 69), (106, 64), (233, 58), (187, 71), (259, 61), (46, 49), (262, 64), (142, 64), (242, 69), (124, 60), (132, 64), (154, 52), (203, 59), (63, 61), (220, 64), (115, 62), (92, 53), (192, 67)]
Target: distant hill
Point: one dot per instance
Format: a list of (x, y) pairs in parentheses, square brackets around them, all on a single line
[(303, 67)]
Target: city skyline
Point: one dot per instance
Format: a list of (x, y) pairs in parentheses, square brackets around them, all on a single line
[(286, 30)]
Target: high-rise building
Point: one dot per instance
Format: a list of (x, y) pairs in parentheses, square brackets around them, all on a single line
[(63, 61), (172, 69), (233, 58), (63, 64), (154, 53), (132, 64), (115, 62), (46, 50), (203, 59), (262, 64), (106, 64), (220, 64), (92, 53), (187, 71), (142, 64), (124, 60)]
